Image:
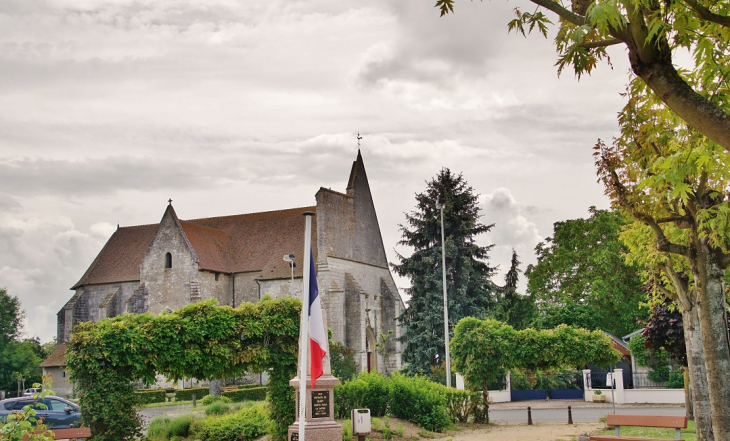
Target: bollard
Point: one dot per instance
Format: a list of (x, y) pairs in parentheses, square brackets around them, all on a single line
[(570, 416), (529, 416)]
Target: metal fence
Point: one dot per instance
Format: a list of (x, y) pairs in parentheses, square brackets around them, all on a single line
[(639, 380), (659, 380)]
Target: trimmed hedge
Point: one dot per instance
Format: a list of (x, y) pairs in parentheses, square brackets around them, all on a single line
[(146, 396), (187, 394), (409, 398), (251, 394)]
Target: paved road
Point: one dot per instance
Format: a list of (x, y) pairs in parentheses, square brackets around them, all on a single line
[(580, 415)]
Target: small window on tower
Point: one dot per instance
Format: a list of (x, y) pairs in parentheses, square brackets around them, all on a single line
[(168, 260)]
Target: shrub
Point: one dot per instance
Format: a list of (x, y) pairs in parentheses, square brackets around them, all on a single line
[(461, 403), (342, 360), (180, 426), (347, 431), (217, 408), (249, 394), (150, 396), (210, 399), (159, 428), (248, 424), (367, 391), (187, 394), (418, 399)]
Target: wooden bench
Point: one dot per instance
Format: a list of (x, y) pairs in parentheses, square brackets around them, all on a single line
[(229, 388), (72, 433), (672, 422)]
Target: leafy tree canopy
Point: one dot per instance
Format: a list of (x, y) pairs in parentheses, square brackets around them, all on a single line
[(513, 308), (10, 319), (582, 268), (652, 32), (468, 275)]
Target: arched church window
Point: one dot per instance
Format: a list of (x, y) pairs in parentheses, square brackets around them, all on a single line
[(168, 260)]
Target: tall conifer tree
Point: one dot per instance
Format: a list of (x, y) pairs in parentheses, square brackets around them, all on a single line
[(468, 275)]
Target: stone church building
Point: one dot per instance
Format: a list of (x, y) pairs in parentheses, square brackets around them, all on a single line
[(240, 258)]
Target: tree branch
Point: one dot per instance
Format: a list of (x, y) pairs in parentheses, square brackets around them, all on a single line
[(680, 286), (603, 43), (564, 13), (705, 14)]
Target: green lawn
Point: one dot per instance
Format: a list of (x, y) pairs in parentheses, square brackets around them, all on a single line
[(650, 432)]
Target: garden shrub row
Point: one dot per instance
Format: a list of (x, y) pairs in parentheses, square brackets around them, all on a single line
[(250, 394), (150, 396), (431, 405), (187, 394)]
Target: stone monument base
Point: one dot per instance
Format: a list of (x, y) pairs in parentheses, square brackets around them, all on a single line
[(317, 431)]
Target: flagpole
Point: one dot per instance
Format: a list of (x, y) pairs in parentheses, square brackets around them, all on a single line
[(304, 340)]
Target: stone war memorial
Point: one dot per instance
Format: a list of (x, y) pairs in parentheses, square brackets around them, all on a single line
[(238, 258), (314, 368)]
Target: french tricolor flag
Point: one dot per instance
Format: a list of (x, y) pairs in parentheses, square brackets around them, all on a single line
[(317, 334)]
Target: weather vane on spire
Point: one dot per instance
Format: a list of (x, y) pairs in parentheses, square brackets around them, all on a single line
[(358, 140)]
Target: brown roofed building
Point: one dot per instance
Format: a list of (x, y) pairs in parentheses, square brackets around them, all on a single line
[(239, 258)]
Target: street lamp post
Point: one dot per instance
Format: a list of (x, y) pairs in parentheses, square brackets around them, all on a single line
[(290, 258), (440, 204)]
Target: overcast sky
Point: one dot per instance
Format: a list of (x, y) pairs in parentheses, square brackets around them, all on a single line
[(109, 108)]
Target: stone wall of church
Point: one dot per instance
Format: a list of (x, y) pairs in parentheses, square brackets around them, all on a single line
[(173, 287), (281, 288), (220, 289), (93, 303), (361, 289), (245, 288)]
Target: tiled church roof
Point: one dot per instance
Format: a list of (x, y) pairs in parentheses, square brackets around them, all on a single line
[(119, 260), (254, 242)]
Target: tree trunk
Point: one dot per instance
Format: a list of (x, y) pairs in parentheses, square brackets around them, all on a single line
[(215, 387), (713, 327), (697, 374)]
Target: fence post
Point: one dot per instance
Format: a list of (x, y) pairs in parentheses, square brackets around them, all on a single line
[(587, 389), (508, 385), (618, 379)]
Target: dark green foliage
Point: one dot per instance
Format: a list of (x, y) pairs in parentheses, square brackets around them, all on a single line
[(201, 340), (19, 358), (513, 308), (150, 396), (461, 404), (10, 319), (468, 276), (342, 360), (187, 394), (247, 424), (217, 408), (582, 268), (249, 394), (281, 399)]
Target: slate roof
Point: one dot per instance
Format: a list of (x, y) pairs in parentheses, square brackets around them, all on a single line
[(57, 357), (254, 242)]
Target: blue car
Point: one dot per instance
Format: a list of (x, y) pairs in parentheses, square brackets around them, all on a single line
[(58, 414)]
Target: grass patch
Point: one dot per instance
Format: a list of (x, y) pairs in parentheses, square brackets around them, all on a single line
[(688, 434)]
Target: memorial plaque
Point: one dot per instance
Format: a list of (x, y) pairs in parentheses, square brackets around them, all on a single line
[(294, 436), (321, 404)]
